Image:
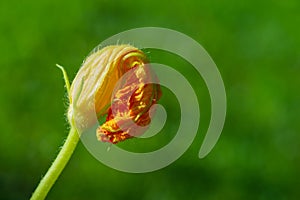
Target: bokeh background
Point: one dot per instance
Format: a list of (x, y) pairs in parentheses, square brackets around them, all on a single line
[(255, 44)]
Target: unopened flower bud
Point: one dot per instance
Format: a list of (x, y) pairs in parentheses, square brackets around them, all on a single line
[(92, 93)]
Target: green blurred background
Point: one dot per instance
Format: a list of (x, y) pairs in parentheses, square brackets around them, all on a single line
[(255, 44)]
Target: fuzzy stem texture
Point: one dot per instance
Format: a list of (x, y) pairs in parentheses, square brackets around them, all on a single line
[(57, 166)]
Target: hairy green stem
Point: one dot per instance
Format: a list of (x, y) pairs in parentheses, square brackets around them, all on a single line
[(57, 166)]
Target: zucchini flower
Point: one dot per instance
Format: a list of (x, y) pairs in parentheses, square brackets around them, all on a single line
[(117, 83)]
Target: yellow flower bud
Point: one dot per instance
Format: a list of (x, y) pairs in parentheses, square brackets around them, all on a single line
[(93, 86)]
